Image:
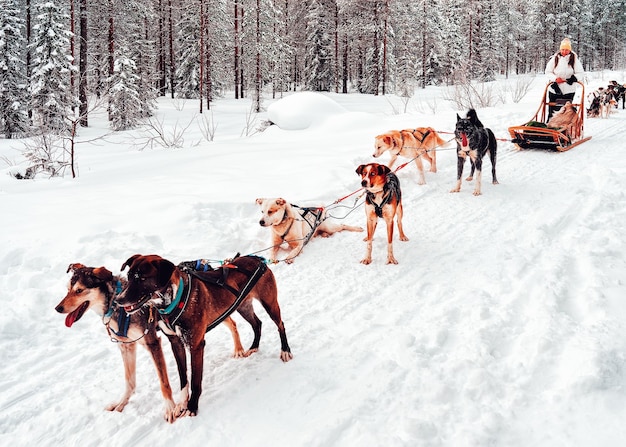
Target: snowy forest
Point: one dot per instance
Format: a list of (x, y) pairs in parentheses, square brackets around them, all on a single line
[(59, 59)]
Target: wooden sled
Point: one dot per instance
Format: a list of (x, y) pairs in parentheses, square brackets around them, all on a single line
[(535, 134)]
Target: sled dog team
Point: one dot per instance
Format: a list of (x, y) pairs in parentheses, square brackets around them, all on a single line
[(187, 300)]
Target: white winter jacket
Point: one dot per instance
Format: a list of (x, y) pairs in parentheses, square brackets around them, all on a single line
[(561, 67)]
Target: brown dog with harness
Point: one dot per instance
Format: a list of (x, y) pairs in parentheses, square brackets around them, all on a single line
[(96, 289), (190, 303)]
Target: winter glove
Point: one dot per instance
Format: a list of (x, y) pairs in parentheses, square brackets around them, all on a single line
[(571, 79), (556, 88)]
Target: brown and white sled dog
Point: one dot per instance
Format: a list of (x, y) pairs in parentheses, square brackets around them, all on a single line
[(292, 224), (96, 289), (417, 143), (474, 140), (383, 199), (210, 296)]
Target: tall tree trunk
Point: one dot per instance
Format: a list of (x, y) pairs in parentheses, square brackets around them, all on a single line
[(236, 41), (72, 46), (386, 21), (336, 55), (82, 66), (201, 81), (172, 60), (162, 81), (344, 87), (111, 38), (28, 31), (258, 86)]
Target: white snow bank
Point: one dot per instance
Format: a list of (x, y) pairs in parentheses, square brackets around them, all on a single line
[(301, 110)]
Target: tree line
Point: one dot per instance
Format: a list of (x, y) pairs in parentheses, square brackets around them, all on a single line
[(60, 57)]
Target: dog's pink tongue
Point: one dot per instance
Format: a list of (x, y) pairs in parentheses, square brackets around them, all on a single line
[(75, 315), (71, 318), (464, 139)]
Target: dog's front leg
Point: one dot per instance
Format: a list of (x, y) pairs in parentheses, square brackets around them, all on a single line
[(180, 355), (371, 227), (479, 174), (129, 357), (389, 222), (232, 326), (197, 366), (154, 346), (460, 161), (296, 248)]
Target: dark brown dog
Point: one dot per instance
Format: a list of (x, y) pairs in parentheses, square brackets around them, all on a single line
[(95, 288), (383, 199), (208, 297)]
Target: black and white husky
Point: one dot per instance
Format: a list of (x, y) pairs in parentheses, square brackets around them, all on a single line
[(474, 140)]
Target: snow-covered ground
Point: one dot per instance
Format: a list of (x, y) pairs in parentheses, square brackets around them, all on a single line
[(502, 324)]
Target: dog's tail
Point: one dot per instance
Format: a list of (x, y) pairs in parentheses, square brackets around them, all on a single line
[(473, 117)]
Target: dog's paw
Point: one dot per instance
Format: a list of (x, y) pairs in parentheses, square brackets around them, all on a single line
[(477, 193), (403, 238), (170, 412), (391, 260), (455, 190), (469, 179), (285, 356), (250, 352), (116, 406), (239, 354), (366, 261)]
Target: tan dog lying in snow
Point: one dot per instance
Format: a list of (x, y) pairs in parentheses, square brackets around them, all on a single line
[(294, 225)]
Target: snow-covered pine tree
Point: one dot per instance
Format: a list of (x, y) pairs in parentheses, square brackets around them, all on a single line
[(52, 98), (188, 69), (125, 104), (318, 62), (14, 95)]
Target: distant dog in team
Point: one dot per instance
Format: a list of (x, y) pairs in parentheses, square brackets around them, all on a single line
[(383, 199), (96, 289), (474, 140), (418, 143), (567, 118), (295, 225), (156, 282)]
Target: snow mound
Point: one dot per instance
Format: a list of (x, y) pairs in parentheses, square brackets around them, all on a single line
[(301, 110)]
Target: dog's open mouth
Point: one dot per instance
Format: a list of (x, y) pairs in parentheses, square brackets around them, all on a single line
[(75, 315), (463, 139)]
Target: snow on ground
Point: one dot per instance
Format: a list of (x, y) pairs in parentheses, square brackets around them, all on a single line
[(502, 325)]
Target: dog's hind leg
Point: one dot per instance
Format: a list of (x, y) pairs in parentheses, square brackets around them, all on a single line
[(492, 156), (129, 357), (273, 310), (420, 170), (246, 310)]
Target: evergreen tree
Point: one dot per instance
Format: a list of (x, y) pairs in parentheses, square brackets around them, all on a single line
[(126, 107), (52, 97), (318, 69), (13, 83)]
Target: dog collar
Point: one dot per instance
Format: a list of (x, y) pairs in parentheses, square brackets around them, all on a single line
[(118, 290), (179, 293)]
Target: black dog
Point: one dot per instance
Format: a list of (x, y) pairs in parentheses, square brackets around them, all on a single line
[(474, 140)]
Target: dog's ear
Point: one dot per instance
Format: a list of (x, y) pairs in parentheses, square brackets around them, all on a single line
[(387, 140), (359, 170), (280, 201), (102, 273), (129, 262), (458, 118), (164, 269), (383, 170), (260, 201), (74, 267)]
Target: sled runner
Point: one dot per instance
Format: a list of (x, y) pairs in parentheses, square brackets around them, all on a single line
[(536, 134)]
